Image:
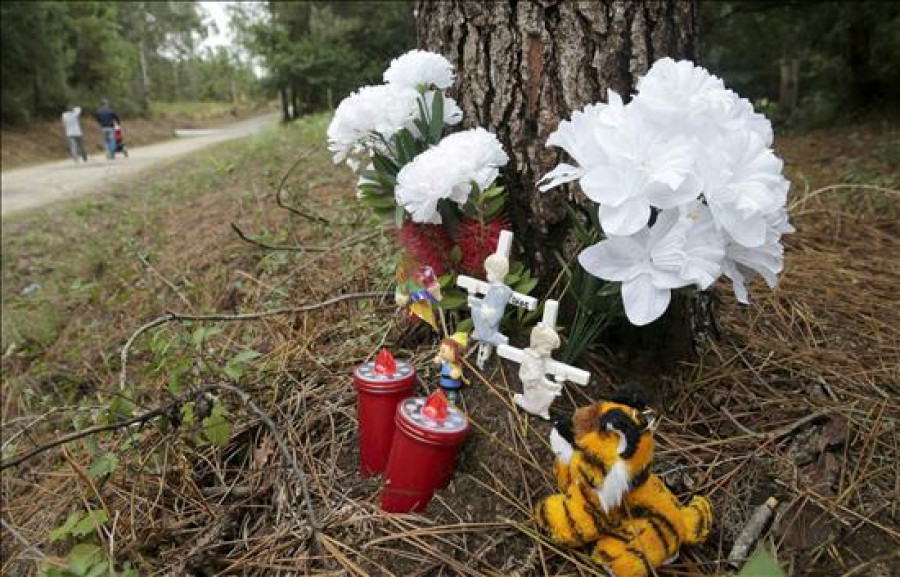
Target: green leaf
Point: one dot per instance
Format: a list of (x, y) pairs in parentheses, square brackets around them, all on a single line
[(103, 465), (493, 191), (447, 280), (456, 254), (244, 357), (83, 557), (65, 529), (203, 334), (90, 522), (436, 124), (494, 207), (526, 285), (454, 298), (761, 564), (216, 426), (187, 413), (378, 201), (98, 569), (465, 326)]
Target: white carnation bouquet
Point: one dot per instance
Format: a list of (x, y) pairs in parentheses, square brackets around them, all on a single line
[(442, 191), (687, 184)]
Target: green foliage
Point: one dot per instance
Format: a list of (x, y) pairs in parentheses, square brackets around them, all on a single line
[(596, 302), (761, 564), (79, 524), (58, 53), (320, 51), (103, 465), (847, 53), (216, 427), (376, 191)]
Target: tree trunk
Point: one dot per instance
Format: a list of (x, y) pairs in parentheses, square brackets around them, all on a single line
[(285, 110), (523, 66), (145, 79)]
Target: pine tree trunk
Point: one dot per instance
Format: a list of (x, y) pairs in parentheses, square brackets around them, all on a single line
[(523, 66)]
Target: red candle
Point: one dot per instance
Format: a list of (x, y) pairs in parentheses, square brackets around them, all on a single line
[(380, 386), (422, 455)]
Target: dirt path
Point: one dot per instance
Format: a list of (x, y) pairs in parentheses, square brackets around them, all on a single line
[(35, 186)]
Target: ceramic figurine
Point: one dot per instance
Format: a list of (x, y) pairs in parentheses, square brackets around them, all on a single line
[(487, 311), (449, 358), (535, 363)]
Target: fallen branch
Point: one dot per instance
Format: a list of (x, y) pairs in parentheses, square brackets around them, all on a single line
[(242, 396), (140, 419), (268, 246), (169, 317), (754, 528), (285, 454), (281, 184), (166, 281)]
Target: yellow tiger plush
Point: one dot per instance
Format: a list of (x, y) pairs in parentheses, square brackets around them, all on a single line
[(610, 499)]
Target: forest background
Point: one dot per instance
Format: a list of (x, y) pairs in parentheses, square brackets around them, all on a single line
[(804, 63)]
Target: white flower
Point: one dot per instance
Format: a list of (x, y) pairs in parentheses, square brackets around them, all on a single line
[(655, 260), (581, 138), (370, 112), (448, 171), (767, 259), (679, 96), (742, 183), (643, 168), (420, 70)]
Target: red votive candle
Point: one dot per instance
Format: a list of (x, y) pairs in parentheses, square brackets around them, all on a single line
[(380, 386), (422, 456)]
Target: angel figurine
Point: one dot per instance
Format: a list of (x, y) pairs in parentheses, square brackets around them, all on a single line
[(487, 311), (535, 363)]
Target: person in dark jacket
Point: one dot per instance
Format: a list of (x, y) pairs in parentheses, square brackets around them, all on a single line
[(108, 119)]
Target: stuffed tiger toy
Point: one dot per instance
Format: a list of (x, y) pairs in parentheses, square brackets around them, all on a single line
[(610, 499)]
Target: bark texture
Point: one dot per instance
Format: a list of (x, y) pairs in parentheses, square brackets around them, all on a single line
[(522, 66)]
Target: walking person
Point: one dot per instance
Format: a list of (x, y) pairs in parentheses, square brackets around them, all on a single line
[(107, 119), (73, 132)]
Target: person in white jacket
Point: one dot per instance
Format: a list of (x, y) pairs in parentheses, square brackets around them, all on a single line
[(73, 132)]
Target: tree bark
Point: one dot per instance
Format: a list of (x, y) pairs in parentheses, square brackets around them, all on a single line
[(522, 66)]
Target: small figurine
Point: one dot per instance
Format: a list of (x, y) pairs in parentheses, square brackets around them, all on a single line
[(417, 288), (539, 392), (487, 312), (609, 499), (449, 358)]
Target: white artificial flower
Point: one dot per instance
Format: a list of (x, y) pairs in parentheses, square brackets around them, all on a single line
[(420, 70), (448, 171), (580, 138), (682, 248), (767, 259), (679, 96), (367, 114), (739, 115), (643, 169), (742, 183)]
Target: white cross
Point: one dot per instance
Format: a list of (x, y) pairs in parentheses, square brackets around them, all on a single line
[(535, 364), (477, 287)]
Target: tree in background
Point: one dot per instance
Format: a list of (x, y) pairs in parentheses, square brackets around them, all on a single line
[(813, 61), (315, 53), (57, 53)]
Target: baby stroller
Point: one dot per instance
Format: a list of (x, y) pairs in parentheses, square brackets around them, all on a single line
[(119, 136)]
